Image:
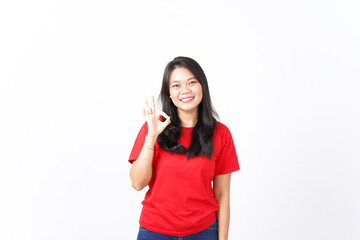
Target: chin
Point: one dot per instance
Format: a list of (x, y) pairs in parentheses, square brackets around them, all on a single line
[(188, 108)]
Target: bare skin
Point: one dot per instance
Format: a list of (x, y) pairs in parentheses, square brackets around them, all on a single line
[(222, 196), (186, 94), (141, 169)]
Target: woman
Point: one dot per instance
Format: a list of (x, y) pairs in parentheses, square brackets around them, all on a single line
[(178, 153)]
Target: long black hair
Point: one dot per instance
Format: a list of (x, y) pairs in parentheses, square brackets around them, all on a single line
[(202, 134)]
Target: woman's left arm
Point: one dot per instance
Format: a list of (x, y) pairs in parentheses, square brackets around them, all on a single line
[(222, 196)]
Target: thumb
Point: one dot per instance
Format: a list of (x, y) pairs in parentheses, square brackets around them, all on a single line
[(165, 123)]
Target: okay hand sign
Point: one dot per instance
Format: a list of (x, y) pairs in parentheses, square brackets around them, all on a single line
[(152, 117)]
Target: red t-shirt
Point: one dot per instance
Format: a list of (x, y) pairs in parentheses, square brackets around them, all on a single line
[(180, 198)]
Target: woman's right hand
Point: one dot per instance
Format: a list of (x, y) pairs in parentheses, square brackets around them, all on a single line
[(152, 117)]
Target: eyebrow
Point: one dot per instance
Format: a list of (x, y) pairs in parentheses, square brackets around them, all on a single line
[(174, 81)]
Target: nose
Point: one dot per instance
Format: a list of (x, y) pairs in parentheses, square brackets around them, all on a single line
[(185, 89)]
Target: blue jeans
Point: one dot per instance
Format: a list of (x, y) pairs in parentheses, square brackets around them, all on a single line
[(211, 233)]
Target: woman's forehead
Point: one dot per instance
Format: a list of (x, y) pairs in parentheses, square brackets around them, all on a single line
[(181, 74)]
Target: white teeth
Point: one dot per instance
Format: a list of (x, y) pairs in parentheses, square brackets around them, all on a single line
[(186, 99)]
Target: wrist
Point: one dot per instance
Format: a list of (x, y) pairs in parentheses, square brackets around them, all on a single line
[(151, 138), (150, 141)]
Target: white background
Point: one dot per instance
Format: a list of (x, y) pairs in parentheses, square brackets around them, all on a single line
[(283, 76)]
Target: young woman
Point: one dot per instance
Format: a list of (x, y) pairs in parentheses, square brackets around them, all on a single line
[(179, 152)]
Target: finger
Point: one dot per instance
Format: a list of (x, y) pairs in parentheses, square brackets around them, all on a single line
[(163, 114), (152, 103), (149, 103), (149, 106), (166, 123)]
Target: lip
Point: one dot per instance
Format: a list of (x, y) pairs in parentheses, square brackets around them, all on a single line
[(188, 99)]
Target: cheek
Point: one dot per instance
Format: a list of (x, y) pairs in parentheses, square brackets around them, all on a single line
[(173, 93), (199, 91)]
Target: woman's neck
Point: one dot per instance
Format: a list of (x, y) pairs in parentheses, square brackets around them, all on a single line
[(188, 118)]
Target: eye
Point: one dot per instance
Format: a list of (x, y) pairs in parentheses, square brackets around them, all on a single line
[(175, 86), (192, 82)]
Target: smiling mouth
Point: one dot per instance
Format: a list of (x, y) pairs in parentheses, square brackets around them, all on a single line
[(186, 99)]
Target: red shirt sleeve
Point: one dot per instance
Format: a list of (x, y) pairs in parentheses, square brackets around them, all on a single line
[(139, 143), (227, 161)]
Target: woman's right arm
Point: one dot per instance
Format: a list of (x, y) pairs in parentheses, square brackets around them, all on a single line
[(141, 168)]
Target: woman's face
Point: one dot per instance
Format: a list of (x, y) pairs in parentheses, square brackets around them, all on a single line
[(185, 90)]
